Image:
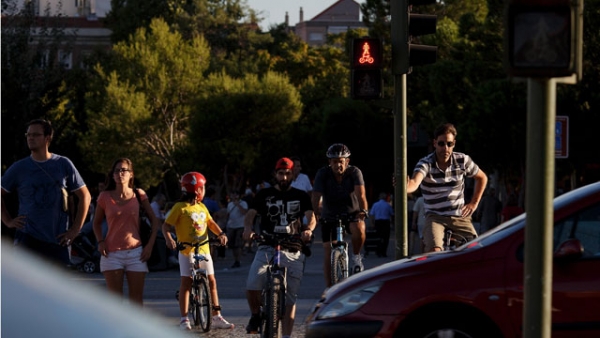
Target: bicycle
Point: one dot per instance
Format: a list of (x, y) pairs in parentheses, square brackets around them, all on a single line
[(200, 304), (339, 254), (274, 290), (453, 240)]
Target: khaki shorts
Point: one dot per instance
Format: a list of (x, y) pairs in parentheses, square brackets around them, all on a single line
[(435, 226)]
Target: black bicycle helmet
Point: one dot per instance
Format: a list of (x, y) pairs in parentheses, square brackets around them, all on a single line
[(338, 150)]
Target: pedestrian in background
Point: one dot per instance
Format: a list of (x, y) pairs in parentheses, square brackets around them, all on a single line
[(418, 223), (213, 206), (383, 215), (42, 182), (159, 201), (511, 210), (301, 180), (489, 211), (210, 201), (236, 211), (121, 249), (158, 204)]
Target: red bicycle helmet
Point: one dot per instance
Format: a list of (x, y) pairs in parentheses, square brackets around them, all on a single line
[(191, 181), (338, 150)]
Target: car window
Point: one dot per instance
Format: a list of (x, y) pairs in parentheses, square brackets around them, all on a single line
[(585, 226)]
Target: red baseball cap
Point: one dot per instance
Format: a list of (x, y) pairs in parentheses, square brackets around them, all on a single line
[(284, 163)]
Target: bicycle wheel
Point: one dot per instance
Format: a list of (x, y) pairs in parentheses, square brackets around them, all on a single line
[(273, 307), (203, 305), (339, 266), (193, 304)]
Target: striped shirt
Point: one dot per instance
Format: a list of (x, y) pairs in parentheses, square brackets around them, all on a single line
[(443, 191)]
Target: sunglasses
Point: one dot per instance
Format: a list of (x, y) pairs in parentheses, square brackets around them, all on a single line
[(449, 144), (122, 170)]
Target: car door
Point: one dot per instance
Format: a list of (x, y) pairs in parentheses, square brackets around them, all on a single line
[(576, 282), (576, 286)]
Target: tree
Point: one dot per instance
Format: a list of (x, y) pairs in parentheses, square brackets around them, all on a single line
[(141, 101), (243, 123), (229, 26), (33, 79), (127, 16)]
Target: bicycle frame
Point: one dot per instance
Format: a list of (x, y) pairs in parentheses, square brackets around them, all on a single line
[(200, 302), (453, 240), (339, 255), (273, 293)]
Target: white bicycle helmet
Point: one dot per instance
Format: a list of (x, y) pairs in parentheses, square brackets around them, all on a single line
[(338, 150)]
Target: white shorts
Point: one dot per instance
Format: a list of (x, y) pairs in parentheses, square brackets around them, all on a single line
[(186, 263), (128, 260)]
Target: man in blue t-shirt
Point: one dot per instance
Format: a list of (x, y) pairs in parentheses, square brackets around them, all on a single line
[(382, 215), (42, 182)]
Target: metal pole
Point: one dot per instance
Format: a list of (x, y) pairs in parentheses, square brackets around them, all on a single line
[(399, 35), (400, 196), (539, 192)]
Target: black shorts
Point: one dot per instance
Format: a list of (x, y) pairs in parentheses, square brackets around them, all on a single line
[(234, 237), (328, 226)]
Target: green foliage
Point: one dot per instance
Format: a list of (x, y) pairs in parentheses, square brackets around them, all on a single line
[(241, 123), (33, 81), (127, 16), (140, 105)]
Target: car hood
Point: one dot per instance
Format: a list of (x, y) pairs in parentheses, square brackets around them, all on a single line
[(434, 261)]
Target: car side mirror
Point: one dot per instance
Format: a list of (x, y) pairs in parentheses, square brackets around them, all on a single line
[(569, 250)]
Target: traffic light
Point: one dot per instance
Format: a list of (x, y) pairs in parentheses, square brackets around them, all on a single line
[(366, 63), (543, 38), (407, 25)]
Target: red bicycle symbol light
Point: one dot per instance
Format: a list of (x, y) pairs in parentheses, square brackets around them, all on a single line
[(366, 55)]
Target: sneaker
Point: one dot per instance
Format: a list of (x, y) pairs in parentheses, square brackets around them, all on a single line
[(185, 325), (236, 265), (253, 325), (358, 265), (219, 322)]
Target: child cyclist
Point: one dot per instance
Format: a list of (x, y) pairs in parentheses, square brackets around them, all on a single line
[(191, 222)]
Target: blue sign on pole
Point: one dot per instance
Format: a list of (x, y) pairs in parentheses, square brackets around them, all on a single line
[(561, 137)]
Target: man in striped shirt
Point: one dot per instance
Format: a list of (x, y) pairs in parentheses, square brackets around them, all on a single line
[(441, 176)]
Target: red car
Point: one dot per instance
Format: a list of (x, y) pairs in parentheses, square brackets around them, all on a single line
[(477, 289)]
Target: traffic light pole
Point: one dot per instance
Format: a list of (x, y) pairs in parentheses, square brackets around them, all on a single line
[(400, 174), (539, 192), (399, 39)]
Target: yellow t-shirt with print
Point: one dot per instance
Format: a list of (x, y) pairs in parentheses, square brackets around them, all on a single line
[(191, 224)]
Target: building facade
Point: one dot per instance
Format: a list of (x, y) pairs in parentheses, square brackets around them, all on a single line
[(337, 18)]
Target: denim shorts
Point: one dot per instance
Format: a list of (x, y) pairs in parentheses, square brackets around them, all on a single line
[(186, 263), (257, 276), (128, 260)]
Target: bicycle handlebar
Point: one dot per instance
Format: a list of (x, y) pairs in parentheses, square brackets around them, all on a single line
[(182, 245), (265, 237)]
